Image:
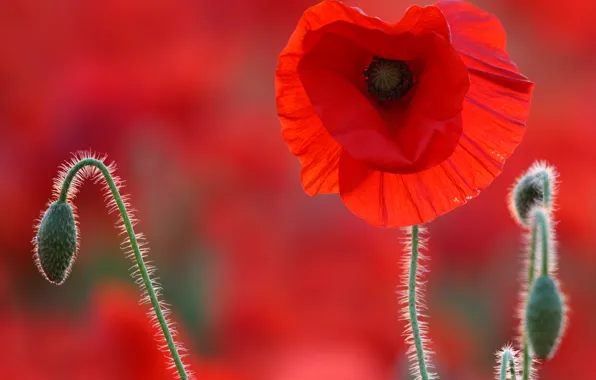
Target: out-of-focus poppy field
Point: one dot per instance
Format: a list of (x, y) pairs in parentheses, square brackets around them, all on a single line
[(264, 282)]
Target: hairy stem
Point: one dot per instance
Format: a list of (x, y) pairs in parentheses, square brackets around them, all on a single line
[(546, 191), (135, 246), (527, 360), (412, 304), (507, 360), (540, 220)]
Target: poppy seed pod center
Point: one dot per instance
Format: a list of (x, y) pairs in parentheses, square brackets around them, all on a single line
[(388, 79)]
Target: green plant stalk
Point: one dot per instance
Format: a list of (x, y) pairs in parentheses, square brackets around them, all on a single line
[(531, 264), (135, 246), (412, 304), (506, 360), (541, 220), (546, 191)]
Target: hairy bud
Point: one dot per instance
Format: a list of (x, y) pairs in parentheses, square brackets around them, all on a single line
[(56, 242), (532, 189), (544, 317)]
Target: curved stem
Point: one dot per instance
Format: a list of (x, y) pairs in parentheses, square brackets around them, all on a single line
[(546, 190), (412, 305), (135, 246), (507, 360)]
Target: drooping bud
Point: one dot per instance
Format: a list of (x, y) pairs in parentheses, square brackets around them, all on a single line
[(56, 242), (544, 317), (533, 188)]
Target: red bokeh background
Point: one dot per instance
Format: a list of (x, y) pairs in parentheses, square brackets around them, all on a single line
[(265, 282)]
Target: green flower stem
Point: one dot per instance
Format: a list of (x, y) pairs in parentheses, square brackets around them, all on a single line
[(412, 304), (507, 359), (135, 246), (531, 270), (546, 190), (539, 220)]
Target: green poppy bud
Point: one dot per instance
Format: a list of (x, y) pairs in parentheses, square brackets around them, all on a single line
[(529, 191), (56, 242), (544, 317)]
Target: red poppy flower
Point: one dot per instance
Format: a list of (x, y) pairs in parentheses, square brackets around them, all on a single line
[(407, 120)]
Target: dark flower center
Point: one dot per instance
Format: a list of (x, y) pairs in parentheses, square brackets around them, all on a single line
[(388, 79)]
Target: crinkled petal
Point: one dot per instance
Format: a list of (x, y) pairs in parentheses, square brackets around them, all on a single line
[(397, 200), (382, 199), (305, 135), (418, 20), (497, 105), (476, 32), (302, 128)]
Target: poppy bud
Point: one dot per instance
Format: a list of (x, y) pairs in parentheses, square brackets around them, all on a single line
[(544, 317), (532, 189), (56, 242)]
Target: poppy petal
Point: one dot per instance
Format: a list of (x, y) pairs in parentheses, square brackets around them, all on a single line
[(302, 129), (498, 102), (418, 20), (304, 133), (397, 200), (382, 199), (331, 73), (481, 31), (433, 125)]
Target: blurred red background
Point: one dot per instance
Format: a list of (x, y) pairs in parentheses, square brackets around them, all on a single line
[(265, 282)]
